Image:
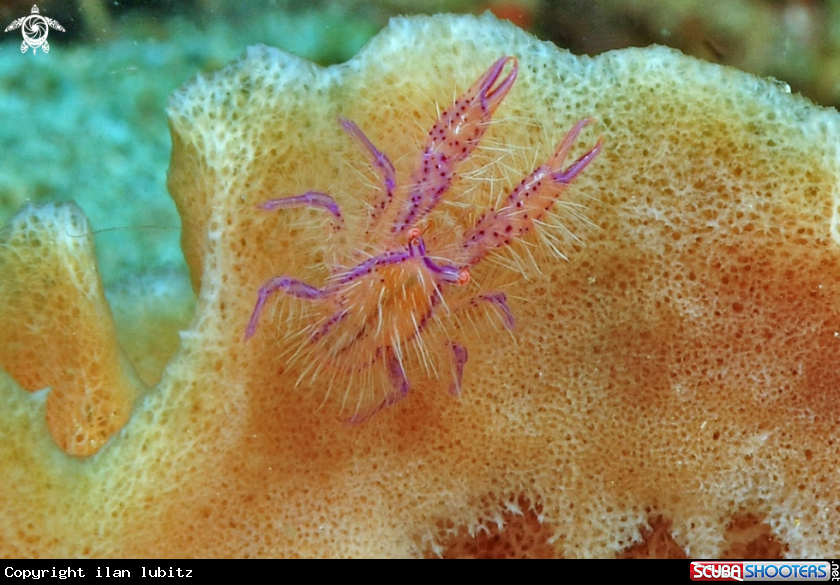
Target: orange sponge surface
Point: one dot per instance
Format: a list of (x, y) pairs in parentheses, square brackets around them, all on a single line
[(57, 330), (667, 389)]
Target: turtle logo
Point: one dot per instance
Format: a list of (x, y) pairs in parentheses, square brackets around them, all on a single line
[(35, 29)]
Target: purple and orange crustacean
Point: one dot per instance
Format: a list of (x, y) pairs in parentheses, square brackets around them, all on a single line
[(376, 308)]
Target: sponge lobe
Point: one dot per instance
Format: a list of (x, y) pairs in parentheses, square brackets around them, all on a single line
[(670, 380), (57, 330), (677, 366)]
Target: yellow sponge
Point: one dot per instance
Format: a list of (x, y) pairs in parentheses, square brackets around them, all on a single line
[(57, 329)]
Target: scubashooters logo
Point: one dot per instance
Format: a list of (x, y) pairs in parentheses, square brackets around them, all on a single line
[(761, 570), (34, 29)]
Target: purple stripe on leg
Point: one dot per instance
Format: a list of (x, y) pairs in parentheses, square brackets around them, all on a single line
[(400, 382), (500, 300), (380, 159), (491, 96), (308, 199), (397, 375), (325, 328), (460, 354), (290, 286), (371, 264), (568, 175)]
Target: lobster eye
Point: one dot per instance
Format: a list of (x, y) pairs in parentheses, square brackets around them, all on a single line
[(415, 242), (463, 276)]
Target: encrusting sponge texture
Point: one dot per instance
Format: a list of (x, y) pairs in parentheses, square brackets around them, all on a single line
[(57, 329), (669, 390)]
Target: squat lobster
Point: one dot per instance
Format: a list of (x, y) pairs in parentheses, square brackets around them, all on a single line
[(374, 311)]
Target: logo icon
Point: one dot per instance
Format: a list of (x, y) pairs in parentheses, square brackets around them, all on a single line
[(35, 29), (797, 571)]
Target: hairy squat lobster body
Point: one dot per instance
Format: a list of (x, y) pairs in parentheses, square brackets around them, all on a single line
[(374, 314)]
